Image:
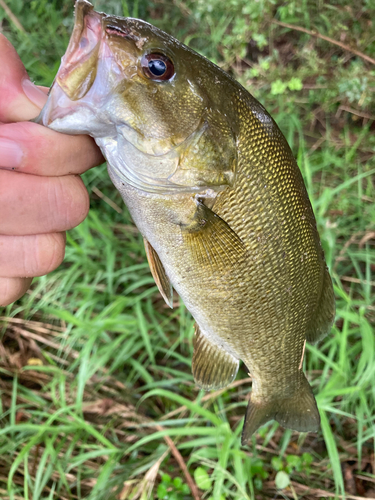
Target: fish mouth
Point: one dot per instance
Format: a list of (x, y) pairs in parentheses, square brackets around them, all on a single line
[(78, 65), (87, 74), (78, 68), (86, 32)]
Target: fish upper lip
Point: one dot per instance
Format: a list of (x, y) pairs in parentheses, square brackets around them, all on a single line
[(84, 12), (86, 36)]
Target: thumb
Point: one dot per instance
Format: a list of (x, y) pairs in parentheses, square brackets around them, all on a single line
[(20, 99)]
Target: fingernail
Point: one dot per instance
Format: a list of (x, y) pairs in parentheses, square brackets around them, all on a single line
[(36, 96), (10, 154)]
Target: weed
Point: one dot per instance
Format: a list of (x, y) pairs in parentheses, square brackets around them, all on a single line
[(109, 409)]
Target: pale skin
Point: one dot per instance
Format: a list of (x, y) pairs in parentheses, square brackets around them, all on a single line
[(41, 193)]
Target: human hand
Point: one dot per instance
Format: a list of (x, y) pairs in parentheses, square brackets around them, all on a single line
[(41, 193)]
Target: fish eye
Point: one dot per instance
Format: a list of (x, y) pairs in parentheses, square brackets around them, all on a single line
[(157, 67)]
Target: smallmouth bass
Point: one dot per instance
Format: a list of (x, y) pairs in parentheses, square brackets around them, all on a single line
[(213, 187)]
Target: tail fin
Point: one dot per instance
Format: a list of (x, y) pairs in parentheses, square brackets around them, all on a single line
[(298, 412)]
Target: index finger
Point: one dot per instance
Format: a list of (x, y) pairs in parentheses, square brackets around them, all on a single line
[(33, 149), (28, 147)]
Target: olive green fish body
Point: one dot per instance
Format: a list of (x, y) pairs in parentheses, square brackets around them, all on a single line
[(259, 303), (216, 193)]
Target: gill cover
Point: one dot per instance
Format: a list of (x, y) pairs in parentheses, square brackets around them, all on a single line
[(160, 133)]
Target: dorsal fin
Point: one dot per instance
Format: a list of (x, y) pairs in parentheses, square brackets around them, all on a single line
[(324, 316), (159, 275), (212, 366)]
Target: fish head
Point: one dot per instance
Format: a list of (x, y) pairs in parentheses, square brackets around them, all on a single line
[(151, 103)]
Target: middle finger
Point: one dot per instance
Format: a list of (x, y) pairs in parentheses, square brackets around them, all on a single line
[(30, 204), (32, 255)]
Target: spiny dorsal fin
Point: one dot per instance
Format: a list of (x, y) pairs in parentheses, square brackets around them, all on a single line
[(212, 366), (298, 411), (325, 312), (211, 240), (158, 273)]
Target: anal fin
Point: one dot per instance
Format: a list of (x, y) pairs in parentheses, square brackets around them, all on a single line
[(212, 366), (298, 412), (159, 275), (324, 316)]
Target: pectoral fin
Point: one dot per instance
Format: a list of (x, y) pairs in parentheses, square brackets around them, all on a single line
[(212, 366), (212, 241), (159, 275)]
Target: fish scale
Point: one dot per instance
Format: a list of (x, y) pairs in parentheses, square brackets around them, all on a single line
[(213, 187), (290, 191)]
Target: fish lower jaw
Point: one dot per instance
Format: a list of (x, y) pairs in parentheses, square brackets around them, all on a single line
[(72, 122), (64, 115)]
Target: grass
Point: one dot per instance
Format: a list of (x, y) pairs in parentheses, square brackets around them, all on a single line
[(97, 396)]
